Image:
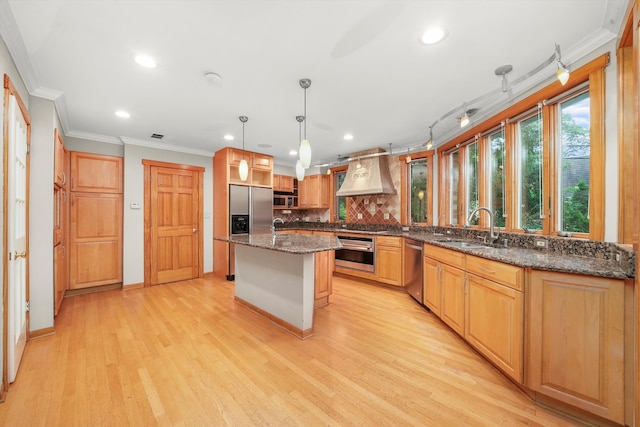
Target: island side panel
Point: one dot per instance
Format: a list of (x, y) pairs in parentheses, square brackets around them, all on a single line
[(280, 283)]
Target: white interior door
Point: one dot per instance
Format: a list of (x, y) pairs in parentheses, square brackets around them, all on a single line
[(16, 237)]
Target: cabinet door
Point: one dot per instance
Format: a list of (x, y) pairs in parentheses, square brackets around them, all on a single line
[(325, 195), (60, 177), (322, 277), (432, 295), (95, 240), (59, 275), (389, 269), (494, 325), (261, 161), (96, 173), (575, 332), (303, 193), (283, 183), (452, 309)]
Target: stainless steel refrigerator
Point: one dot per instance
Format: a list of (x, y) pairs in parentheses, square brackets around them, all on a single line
[(250, 212)]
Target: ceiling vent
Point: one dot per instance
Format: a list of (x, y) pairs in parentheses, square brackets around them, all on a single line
[(157, 136)]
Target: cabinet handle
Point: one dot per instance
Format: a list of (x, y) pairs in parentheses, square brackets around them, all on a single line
[(486, 270), (64, 178), (64, 197)]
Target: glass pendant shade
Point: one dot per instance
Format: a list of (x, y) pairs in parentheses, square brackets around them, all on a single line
[(305, 153), (299, 171), (243, 170), (563, 75), (464, 121)]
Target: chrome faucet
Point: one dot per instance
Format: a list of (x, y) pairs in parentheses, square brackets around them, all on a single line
[(275, 221), (493, 236)]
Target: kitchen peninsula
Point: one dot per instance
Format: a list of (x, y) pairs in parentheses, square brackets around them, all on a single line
[(283, 277)]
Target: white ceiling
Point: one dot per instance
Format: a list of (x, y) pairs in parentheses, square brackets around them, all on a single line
[(370, 74)]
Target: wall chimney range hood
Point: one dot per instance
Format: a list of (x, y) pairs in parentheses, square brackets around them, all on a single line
[(368, 173)]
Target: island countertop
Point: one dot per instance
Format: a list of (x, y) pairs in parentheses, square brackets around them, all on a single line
[(290, 243)]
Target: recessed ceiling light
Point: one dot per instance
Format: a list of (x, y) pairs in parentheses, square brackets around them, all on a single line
[(433, 36), (145, 61), (123, 114), (228, 137), (348, 137), (293, 152)]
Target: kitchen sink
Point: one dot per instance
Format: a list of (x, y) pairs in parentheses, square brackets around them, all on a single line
[(346, 230), (465, 244)]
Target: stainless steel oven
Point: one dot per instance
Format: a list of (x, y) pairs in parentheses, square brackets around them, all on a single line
[(358, 253)]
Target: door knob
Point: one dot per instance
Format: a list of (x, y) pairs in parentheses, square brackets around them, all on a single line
[(17, 255), (195, 229)]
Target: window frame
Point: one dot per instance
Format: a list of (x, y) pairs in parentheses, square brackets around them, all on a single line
[(405, 205)]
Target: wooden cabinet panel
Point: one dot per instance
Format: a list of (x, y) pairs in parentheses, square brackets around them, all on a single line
[(95, 240), (261, 161), (452, 309), (508, 275), (60, 176), (282, 183), (494, 323), (447, 256), (575, 333), (96, 173), (432, 294), (313, 192), (389, 260), (59, 275), (323, 277)]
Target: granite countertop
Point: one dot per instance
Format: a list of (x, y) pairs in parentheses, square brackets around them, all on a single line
[(290, 243), (565, 255)]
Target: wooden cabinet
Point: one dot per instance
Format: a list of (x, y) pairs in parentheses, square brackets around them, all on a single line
[(575, 340), (60, 176), (96, 240), (260, 167), (389, 260), (96, 173), (282, 183), (494, 323), (59, 275), (444, 283), (313, 192), (432, 295)]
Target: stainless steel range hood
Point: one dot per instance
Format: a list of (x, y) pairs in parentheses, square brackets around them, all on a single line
[(368, 173)]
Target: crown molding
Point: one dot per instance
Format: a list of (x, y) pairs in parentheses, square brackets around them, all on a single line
[(166, 147), (94, 137), (11, 35)]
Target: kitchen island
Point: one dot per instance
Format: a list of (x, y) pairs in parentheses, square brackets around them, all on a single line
[(278, 275)]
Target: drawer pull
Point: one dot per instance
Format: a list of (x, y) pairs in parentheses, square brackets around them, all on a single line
[(486, 270)]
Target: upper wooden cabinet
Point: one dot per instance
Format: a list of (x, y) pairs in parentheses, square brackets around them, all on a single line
[(260, 167), (94, 173), (283, 183), (313, 192), (60, 177)]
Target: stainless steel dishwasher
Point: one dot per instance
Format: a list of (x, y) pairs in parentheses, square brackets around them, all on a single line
[(413, 268)]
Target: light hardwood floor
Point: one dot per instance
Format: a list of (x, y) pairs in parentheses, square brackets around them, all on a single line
[(186, 354)]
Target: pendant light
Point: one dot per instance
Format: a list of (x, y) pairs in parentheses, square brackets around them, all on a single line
[(244, 167), (305, 145), (299, 167), (563, 72)]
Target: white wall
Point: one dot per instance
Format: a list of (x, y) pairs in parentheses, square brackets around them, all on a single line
[(133, 256)]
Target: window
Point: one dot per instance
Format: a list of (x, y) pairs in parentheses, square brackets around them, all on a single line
[(418, 191), (497, 174), (530, 173), (454, 179), (574, 148), (471, 200), (340, 202)]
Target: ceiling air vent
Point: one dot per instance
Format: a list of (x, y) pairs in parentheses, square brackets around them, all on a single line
[(157, 136)]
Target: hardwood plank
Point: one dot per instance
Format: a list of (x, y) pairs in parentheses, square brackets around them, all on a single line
[(185, 353)]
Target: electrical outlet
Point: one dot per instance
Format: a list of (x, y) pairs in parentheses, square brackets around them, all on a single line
[(386, 216), (405, 229), (618, 255), (366, 201), (541, 243), (359, 216)]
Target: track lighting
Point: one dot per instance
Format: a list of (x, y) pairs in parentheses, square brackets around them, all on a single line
[(407, 159), (503, 71), (243, 170), (464, 120), (429, 143), (563, 72)]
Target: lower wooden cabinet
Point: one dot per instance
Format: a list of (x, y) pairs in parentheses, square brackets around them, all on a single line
[(389, 260), (575, 341), (323, 277), (452, 309), (494, 323), (432, 295), (59, 275)]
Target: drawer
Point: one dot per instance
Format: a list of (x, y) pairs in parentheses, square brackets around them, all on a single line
[(388, 241), (506, 274), (446, 256)]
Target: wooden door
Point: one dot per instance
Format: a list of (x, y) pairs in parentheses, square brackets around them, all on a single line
[(16, 229), (174, 224)]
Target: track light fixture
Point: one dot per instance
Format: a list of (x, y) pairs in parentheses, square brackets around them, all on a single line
[(503, 71), (429, 143), (464, 120), (563, 71), (407, 158), (243, 170)]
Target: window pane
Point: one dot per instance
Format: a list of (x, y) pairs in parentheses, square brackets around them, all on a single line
[(340, 202), (530, 178), (472, 181), (454, 177), (496, 188), (418, 191), (574, 165)]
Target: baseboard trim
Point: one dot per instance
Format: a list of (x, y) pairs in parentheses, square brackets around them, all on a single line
[(132, 286), (302, 334), (39, 333), (74, 292)]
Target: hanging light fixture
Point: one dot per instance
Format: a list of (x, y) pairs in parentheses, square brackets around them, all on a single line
[(429, 143), (407, 158), (464, 120), (503, 71), (305, 146), (243, 170), (563, 72), (299, 167)]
